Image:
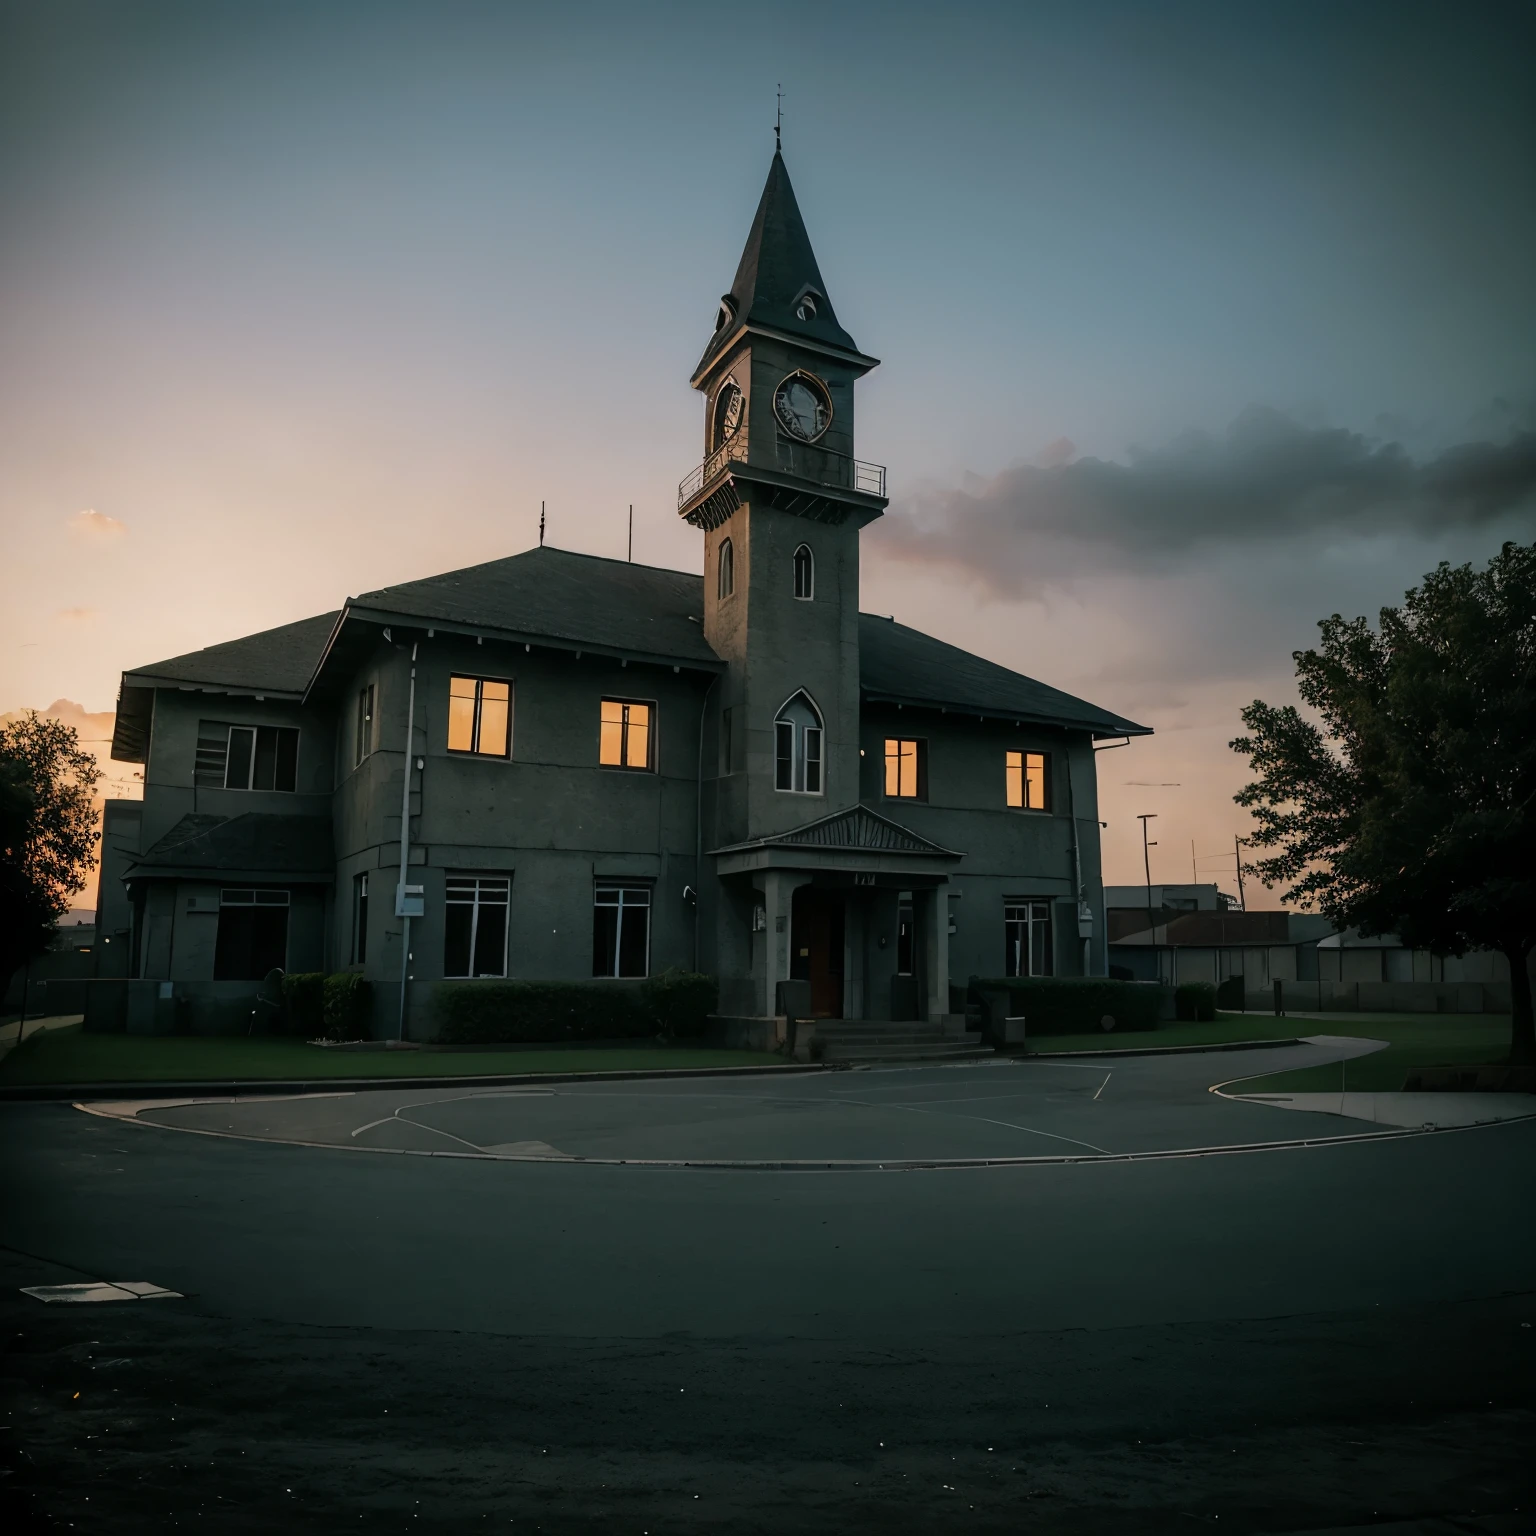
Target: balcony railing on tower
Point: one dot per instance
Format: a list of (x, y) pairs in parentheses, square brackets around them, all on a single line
[(807, 460)]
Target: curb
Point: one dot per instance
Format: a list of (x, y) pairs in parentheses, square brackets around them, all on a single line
[(237, 1088), (1160, 1050)]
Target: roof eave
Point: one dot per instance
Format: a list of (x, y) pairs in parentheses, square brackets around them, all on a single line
[(1099, 729), (714, 354)]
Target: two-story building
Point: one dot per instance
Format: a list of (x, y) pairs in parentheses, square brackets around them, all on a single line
[(558, 766)]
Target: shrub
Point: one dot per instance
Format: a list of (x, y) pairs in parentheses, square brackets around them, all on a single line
[(348, 1007), (681, 1002), (304, 1002), (519, 1012), (1229, 994), (1073, 1005), (1195, 1002)]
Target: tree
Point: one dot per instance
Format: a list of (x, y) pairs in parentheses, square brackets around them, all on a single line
[(47, 833), (1411, 806)]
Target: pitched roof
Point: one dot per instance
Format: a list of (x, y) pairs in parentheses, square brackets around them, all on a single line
[(565, 596), (585, 600), (905, 666), (859, 828), (777, 266), (277, 660), (251, 846)]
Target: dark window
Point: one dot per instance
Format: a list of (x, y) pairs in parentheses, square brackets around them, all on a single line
[(362, 743), (475, 925), (1028, 781), (360, 918), (1027, 939), (253, 935), (626, 734), (621, 930), (725, 582), (262, 757), (906, 769), (797, 745), (480, 716), (805, 573)]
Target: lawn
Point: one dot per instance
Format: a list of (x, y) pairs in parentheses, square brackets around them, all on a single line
[(70, 1056), (1226, 1027), (1413, 1040)]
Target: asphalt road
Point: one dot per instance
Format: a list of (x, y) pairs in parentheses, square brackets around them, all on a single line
[(1289, 1339)]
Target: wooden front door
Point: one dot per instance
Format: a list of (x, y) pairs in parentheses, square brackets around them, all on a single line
[(816, 948)]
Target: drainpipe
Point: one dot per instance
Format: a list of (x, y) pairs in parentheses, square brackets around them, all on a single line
[(404, 903), (1077, 870), (698, 821)]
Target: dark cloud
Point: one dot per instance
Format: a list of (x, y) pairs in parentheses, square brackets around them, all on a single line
[(1268, 479)]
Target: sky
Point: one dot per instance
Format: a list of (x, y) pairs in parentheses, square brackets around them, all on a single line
[(1198, 322)]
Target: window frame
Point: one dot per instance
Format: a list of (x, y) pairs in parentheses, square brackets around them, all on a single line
[(919, 745), (725, 570), (1023, 754), (451, 898), (248, 899), (359, 951), (801, 758), (1038, 918), (621, 888), (280, 733), (479, 680), (623, 723), (809, 594), (362, 735)]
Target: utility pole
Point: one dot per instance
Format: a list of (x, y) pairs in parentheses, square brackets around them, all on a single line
[(631, 533), (1237, 848), (1146, 861)]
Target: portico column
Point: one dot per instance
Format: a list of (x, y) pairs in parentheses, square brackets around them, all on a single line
[(938, 953), (778, 890)]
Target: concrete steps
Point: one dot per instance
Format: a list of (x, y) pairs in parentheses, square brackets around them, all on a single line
[(870, 1040)]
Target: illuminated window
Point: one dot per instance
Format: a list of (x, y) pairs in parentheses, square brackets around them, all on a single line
[(797, 748), (621, 930), (1028, 776), (626, 734), (805, 573), (906, 769), (479, 716), (475, 925), (725, 575), (360, 918), (1027, 938)]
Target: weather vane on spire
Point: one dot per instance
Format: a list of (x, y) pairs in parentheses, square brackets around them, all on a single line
[(778, 121)]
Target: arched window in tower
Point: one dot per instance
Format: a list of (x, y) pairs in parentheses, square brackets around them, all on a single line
[(797, 747), (805, 573), (725, 570)]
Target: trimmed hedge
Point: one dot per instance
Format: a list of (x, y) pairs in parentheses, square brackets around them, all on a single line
[(681, 1002), (1194, 1002), (348, 1007), (304, 1001), (676, 1004), (1072, 1005), (1229, 994)]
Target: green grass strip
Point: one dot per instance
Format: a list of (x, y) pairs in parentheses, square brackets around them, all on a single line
[(71, 1056)]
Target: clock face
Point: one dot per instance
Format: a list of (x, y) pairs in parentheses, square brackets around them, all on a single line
[(803, 406)]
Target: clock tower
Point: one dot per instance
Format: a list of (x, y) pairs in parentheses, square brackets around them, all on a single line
[(780, 499)]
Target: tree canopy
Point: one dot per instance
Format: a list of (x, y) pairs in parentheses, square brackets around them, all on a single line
[(48, 833), (1408, 804)]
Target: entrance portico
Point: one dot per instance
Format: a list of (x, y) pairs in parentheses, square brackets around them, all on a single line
[(857, 863)]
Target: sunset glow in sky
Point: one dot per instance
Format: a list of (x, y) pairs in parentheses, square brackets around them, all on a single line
[(1197, 322)]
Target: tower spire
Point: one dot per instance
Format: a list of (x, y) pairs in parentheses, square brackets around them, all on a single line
[(778, 123)]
